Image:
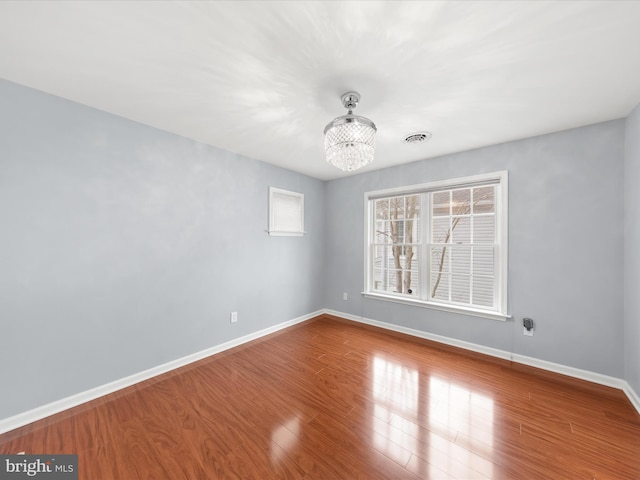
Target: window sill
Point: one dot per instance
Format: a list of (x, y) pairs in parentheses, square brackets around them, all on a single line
[(279, 233), (475, 312)]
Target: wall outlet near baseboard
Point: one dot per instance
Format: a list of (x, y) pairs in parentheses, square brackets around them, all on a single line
[(529, 326), (345, 296), (234, 317)]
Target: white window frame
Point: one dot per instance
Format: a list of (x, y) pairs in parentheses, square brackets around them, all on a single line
[(500, 180), (286, 213)]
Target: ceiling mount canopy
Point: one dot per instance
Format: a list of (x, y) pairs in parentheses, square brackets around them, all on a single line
[(349, 140)]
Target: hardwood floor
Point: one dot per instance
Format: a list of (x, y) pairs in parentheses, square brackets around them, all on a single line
[(330, 399)]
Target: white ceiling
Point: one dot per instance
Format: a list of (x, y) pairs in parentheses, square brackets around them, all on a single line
[(263, 78)]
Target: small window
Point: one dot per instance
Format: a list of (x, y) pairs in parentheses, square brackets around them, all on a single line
[(286, 212), (441, 245)]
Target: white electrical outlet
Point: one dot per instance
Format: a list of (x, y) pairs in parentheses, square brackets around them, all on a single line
[(345, 296), (234, 317), (528, 333)]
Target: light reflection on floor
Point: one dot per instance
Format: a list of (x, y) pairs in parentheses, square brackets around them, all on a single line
[(432, 425), (284, 438), (396, 390), (454, 408)]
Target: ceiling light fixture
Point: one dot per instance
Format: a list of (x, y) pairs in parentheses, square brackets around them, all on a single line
[(350, 140)]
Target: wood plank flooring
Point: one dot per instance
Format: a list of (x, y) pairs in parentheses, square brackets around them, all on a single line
[(331, 399)]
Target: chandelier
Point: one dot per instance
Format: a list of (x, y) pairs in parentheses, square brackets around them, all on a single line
[(349, 140)]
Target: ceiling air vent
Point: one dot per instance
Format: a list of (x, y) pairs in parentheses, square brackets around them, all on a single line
[(419, 137)]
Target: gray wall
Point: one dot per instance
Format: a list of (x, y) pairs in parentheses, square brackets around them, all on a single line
[(565, 250), (124, 247), (632, 251)]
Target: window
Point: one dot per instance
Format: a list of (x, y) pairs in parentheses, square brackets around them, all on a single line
[(442, 245), (286, 213)]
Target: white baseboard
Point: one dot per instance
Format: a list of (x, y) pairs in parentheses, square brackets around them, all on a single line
[(633, 397), (494, 352), (38, 413)]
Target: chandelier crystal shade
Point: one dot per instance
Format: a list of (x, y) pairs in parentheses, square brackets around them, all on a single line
[(350, 140)]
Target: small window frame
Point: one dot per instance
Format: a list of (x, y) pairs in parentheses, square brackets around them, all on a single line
[(286, 213)]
